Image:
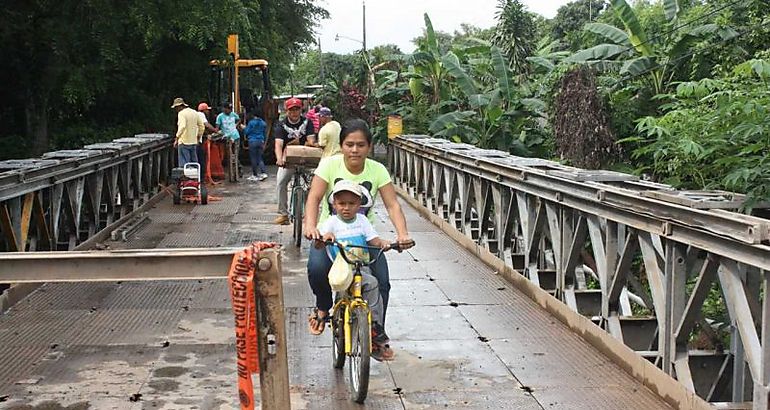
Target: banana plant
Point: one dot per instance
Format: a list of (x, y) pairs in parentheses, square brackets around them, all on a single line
[(489, 116), (635, 54), (547, 56), (427, 64)]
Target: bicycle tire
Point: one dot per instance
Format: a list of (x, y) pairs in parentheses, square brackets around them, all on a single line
[(360, 330), (338, 338), (297, 211)]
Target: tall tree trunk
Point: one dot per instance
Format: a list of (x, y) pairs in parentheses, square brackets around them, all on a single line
[(36, 115)]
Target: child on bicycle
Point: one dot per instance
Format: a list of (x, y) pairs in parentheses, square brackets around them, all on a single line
[(346, 225)]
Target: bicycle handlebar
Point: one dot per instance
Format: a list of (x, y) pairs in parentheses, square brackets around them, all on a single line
[(392, 246)]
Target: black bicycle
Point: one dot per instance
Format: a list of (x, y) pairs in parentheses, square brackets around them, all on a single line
[(299, 189)]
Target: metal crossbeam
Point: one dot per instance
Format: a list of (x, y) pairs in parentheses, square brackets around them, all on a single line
[(124, 265)]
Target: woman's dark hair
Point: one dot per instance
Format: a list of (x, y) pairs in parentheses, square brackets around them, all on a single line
[(354, 125)]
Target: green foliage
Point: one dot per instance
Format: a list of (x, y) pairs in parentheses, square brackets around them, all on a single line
[(715, 133), (466, 93), (490, 115), (467, 35), (515, 33), (627, 103), (337, 69), (634, 53), (89, 69), (570, 20), (750, 18)]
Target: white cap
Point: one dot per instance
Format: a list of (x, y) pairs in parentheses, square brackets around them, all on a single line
[(345, 185)]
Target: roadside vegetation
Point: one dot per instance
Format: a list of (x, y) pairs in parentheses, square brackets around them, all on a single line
[(674, 90)]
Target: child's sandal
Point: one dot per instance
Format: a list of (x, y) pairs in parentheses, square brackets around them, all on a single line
[(382, 352)]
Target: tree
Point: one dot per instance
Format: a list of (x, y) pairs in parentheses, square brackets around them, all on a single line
[(488, 115), (91, 69), (515, 33), (428, 68), (443, 41), (570, 18)]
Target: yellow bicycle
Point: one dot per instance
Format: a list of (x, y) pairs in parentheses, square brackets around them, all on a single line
[(351, 322)]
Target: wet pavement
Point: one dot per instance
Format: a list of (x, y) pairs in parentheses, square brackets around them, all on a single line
[(464, 337)]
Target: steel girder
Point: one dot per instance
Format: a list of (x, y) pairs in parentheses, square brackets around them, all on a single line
[(118, 265), (60, 200), (639, 267)]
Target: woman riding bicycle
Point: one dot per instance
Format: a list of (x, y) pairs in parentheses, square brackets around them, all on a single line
[(352, 165)]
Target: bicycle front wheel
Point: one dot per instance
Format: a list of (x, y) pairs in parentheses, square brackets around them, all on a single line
[(338, 337), (360, 330), (297, 208)]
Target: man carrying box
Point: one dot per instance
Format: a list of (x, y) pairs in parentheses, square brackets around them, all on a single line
[(292, 130)]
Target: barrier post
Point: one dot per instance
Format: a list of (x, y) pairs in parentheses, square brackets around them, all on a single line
[(273, 362)]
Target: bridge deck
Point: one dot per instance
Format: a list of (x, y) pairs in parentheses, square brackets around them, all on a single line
[(464, 337)]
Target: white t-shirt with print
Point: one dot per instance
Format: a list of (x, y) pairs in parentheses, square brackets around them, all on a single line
[(357, 232)]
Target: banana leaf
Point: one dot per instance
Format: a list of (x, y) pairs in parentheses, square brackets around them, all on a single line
[(450, 120), (609, 32), (600, 52), (697, 33), (637, 66), (464, 81), (671, 9), (416, 87), (478, 100), (634, 28), (502, 73), (541, 62), (431, 37)]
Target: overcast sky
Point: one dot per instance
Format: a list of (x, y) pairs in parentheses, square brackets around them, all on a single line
[(399, 21)]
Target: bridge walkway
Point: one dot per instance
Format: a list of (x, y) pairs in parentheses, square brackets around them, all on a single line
[(464, 337)]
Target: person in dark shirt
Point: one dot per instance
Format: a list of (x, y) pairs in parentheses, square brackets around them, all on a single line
[(292, 130), (255, 135)]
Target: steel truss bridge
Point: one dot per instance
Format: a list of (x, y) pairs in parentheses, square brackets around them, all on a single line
[(638, 259), (626, 264)]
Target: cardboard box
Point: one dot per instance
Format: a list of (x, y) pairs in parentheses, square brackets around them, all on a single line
[(299, 155)]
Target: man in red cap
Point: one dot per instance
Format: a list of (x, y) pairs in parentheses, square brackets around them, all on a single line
[(204, 111), (292, 130)]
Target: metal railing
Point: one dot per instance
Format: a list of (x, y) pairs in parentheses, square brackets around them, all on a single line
[(637, 258), (60, 200)]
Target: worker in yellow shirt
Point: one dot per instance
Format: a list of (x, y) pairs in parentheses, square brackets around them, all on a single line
[(189, 129), (329, 134)]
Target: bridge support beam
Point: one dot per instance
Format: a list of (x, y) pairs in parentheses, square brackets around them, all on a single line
[(762, 383)]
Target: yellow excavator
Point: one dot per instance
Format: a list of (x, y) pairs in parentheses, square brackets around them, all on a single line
[(246, 84)]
